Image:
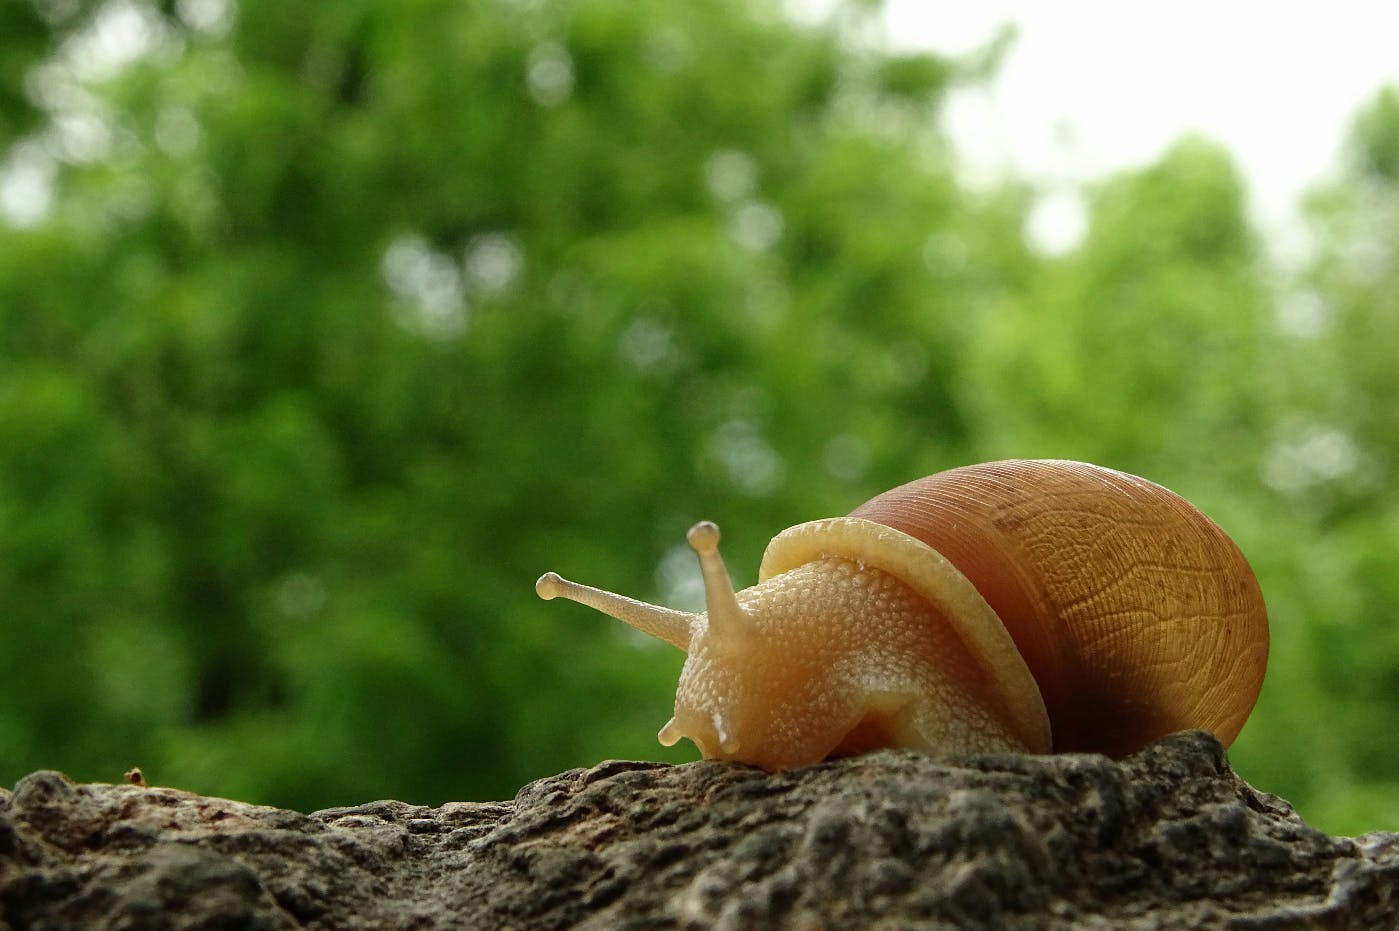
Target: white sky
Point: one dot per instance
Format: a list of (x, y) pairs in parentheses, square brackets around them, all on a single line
[(1091, 86)]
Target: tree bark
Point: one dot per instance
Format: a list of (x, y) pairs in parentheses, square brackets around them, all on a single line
[(1169, 838)]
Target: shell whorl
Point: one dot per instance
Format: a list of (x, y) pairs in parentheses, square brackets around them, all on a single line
[(1135, 613)]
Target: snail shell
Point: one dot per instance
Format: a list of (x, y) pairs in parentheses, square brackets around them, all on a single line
[(1017, 605), (1135, 613)]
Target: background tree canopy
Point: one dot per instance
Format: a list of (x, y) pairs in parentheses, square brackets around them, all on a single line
[(325, 329)]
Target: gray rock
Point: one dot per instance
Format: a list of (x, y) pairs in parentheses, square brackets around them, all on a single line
[(1170, 838)]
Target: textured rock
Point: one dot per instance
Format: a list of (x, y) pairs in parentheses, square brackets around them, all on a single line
[(1170, 838)]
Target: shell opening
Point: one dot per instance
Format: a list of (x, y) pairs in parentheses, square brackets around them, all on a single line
[(941, 585)]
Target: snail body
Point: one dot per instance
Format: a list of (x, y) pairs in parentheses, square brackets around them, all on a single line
[(1023, 605)]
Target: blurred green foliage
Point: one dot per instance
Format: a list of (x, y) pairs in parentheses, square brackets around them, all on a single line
[(325, 329)]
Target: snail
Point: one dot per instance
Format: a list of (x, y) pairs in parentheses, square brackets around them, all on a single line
[(1024, 605)]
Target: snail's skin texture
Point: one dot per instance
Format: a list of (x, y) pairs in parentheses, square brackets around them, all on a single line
[(1024, 605)]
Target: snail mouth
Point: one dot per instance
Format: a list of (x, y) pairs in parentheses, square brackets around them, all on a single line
[(715, 742)]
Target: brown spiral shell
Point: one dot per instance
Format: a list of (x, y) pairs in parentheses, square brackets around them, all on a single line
[(1136, 613)]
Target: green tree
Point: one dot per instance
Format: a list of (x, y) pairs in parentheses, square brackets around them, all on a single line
[(1147, 342), (348, 321), (324, 330), (1332, 459)]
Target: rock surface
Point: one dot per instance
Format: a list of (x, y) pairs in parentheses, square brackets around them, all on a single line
[(1170, 838)]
